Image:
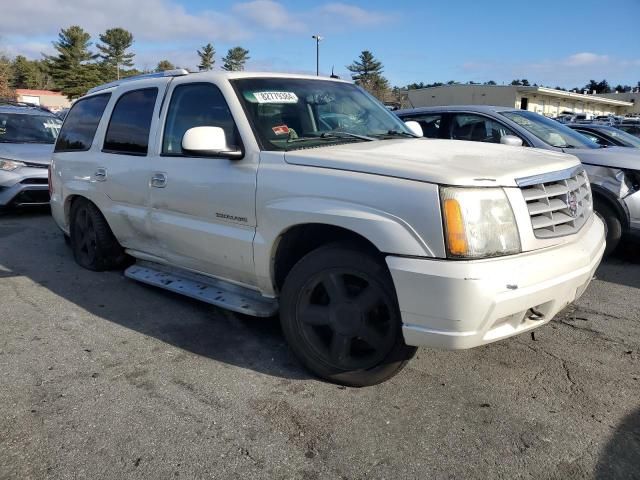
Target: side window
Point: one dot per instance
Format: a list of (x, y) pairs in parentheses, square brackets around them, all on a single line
[(430, 124), (595, 138), (196, 105), (81, 124), (477, 128), (128, 131)]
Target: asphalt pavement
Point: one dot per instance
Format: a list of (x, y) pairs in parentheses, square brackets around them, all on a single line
[(102, 377)]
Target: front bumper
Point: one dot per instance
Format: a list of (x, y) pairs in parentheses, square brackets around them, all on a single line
[(463, 304), (24, 186)]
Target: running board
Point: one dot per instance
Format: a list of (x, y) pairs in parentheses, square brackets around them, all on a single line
[(210, 290)]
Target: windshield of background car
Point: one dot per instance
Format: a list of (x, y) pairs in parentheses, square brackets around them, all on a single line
[(624, 137), (21, 128), (549, 131), (288, 114)]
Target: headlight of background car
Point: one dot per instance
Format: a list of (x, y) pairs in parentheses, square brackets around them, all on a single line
[(9, 165), (478, 223)]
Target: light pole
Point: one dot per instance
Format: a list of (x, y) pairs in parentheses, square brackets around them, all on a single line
[(318, 39)]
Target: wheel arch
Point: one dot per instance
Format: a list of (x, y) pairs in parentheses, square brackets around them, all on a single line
[(601, 194)]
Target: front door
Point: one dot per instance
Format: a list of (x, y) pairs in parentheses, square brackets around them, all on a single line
[(203, 208)]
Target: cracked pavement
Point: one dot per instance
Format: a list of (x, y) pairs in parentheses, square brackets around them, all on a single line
[(102, 377)]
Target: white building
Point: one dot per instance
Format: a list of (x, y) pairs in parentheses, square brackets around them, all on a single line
[(633, 97), (546, 101)]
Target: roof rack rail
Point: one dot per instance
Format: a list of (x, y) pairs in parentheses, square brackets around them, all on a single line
[(166, 73)]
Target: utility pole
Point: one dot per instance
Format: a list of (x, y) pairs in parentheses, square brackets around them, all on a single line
[(318, 39)]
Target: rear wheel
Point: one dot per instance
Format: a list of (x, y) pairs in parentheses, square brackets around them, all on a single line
[(613, 226), (340, 316), (94, 245)]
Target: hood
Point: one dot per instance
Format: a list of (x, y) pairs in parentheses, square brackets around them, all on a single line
[(39, 153), (615, 157), (446, 162)]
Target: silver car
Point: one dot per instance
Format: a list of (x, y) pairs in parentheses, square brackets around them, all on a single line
[(614, 172), (27, 135)]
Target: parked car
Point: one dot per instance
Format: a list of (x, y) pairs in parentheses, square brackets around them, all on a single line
[(27, 135), (606, 136), (632, 128), (232, 188), (614, 172)]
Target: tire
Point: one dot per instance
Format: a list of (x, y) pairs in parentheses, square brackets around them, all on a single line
[(340, 316), (92, 242), (613, 226)]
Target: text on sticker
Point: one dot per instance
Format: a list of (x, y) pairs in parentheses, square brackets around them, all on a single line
[(276, 97)]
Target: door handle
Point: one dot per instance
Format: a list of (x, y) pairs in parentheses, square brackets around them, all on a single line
[(100, 174), (159, 180)]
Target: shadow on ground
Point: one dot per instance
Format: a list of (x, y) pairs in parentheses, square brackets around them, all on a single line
[(243, 341), (621, 457), (627, 253)]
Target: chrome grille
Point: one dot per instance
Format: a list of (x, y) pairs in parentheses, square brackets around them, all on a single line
[(559, 203)]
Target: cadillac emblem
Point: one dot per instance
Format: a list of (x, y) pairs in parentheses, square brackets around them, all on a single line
[(572, 204)]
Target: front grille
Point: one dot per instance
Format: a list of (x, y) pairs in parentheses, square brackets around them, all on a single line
[(559, 204), (35, 181), (35, 165)]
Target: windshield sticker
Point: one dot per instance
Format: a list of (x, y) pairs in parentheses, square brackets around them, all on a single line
[(281, 130), (275, 97)]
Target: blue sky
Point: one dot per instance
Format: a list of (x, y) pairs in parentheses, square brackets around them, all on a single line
[(561, 42)]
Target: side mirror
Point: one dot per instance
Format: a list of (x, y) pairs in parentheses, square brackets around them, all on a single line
[(414, 127), (511, 140), (208, 142)]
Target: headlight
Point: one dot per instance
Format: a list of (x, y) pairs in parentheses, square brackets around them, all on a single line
[(9, 165), (478, 222)]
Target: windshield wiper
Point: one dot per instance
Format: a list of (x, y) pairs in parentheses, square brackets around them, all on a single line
[(397, 133), (331, 136)]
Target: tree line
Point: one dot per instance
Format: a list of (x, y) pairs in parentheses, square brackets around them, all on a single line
[(593, 86), (75, 67)]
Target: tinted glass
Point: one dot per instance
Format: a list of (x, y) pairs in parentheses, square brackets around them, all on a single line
[(624, 137), (24, 128), (81, 124), (128, 130), (291, 113), (196, 105), (430, 124)]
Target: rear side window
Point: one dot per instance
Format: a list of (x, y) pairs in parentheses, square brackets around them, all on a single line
[(81, 124), (128, 131), (196, 105)]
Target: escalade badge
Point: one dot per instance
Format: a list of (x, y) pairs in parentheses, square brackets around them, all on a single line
[(572, 204)]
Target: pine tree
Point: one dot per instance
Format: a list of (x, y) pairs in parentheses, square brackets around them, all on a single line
[(5, 78), (165, 65), (367, 72), (70, 71), (207, 57), (235, 59), (113, 52)]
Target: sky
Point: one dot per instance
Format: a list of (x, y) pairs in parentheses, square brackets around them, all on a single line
[(556, 43)]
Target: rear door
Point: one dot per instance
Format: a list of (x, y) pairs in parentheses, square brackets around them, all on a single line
[(478, 128), (124, 165), (202, 208)]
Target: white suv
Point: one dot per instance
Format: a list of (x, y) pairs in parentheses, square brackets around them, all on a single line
[(266, 193)]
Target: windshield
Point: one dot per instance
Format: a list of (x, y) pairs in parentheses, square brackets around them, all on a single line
[(21, 128), (288, 114), (624, 137), (549, 131)]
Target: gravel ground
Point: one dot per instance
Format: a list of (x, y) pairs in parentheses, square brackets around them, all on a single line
[(101, 377)]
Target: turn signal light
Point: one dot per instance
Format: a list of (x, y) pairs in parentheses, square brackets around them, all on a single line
[(454, 225)]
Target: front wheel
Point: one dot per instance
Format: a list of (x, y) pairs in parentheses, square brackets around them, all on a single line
[(340, 315)]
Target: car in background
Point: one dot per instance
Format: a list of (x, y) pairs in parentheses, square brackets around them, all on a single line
[(606, 135), (614, 172), (632, 128), (27, 135)]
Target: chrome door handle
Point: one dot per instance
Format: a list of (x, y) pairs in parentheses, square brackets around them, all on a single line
[(100, 174), (159, 180)]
